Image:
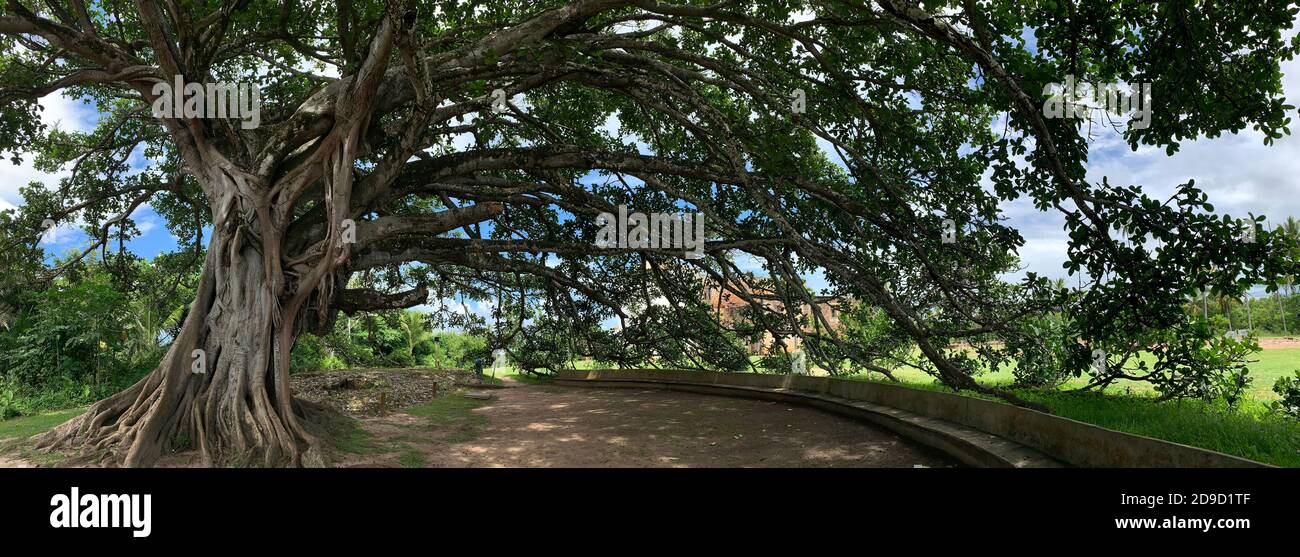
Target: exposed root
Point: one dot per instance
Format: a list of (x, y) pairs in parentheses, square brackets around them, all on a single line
[(114, 434), (235, 409)]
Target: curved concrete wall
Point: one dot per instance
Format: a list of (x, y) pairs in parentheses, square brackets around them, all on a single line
[(1070, 441)]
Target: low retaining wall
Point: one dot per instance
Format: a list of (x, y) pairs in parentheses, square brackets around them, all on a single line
[(1070, 441)]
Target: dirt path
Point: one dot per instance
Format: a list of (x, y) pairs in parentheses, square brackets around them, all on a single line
[(550, 426), (539, 425), (14, 462)]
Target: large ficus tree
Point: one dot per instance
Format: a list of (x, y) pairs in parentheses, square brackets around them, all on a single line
[(417, 149)]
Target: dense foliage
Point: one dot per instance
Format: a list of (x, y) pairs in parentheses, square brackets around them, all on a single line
[(100, 327), (90, 332), (1288, 389), (422, 151), (389, 339)]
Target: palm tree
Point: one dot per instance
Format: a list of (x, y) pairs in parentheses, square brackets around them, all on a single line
[(414, 328), (1291, 227), (1250, 321), (1281, 309), (1202, 294), (1225, 306)]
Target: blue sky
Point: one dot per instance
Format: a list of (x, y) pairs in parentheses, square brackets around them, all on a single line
[(1240, 174)]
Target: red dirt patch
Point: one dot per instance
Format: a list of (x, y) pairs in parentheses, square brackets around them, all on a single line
[(1273, 343)]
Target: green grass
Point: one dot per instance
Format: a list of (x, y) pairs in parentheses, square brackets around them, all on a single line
[(489, 380), (14, 433), (518, 375), (412, 459), (1270, 365), (348, 436), (527, 378), (454, 412), (447, 409), (1248, 431), (41, 459), (27, 426), (1254, 435)]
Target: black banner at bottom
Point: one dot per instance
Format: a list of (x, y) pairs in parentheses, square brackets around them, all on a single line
[(532, 508)]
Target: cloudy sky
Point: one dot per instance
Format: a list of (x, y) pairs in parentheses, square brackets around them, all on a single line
[(1240, 174)]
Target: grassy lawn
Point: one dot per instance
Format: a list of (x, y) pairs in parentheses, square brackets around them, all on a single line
[(453, 412), (1248, 431), (1254, 435), (13, 432), (412, 459), (1271, 365), (348, 436), (27, 426), (527, 378)]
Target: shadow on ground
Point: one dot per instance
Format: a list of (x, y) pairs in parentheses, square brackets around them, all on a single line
[(551, 426)]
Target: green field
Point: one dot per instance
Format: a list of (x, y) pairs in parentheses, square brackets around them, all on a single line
[(1268, 367), (1249, 430), (1247, 434), (26, 426)]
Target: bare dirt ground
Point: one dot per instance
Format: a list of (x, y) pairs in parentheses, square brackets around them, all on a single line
[(14, 462), (550, 426), (1273, 343), (367, 392), (423, 418)]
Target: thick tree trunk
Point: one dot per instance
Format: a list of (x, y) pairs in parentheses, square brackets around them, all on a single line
[(231, 401)]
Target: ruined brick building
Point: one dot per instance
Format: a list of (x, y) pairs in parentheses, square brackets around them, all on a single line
[(732, 309)]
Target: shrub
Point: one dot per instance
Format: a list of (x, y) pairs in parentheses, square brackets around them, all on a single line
[(8, 404), (1049, 356), (397, 339), (1288, 388)]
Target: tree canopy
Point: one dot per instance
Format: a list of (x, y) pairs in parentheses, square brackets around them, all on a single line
[(469, 148)]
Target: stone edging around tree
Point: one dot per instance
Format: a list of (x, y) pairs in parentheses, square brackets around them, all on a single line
[(978, 432)]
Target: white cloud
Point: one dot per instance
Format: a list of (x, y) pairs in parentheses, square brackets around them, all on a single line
[(144, 221), (1238, 173), (67, 114)]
